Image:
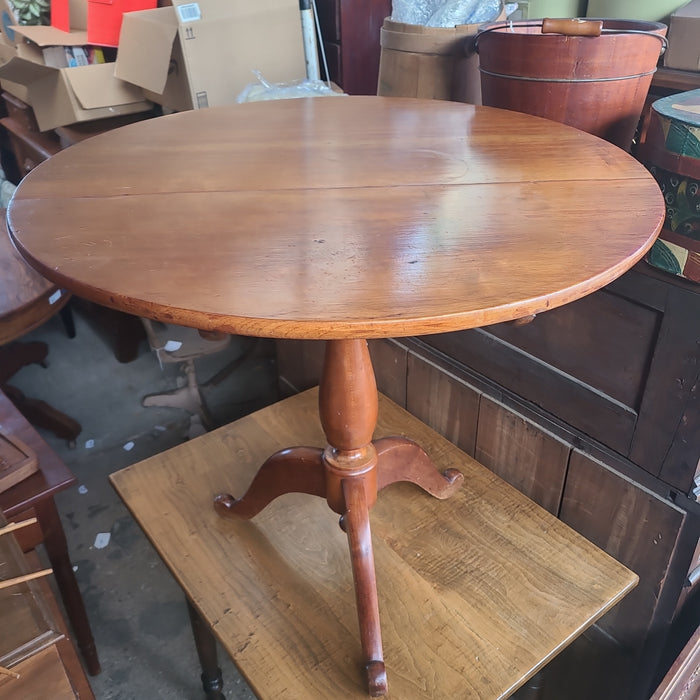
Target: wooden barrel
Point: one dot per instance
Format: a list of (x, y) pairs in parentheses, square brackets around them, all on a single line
[(595, 83), (429, 62)]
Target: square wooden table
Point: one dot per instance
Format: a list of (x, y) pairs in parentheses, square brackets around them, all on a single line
[(477, 592)]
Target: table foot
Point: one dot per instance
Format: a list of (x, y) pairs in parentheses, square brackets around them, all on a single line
[(376, 679), (401, 459), (294, 470)]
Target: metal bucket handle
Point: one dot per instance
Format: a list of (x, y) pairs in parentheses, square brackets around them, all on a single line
[(570, 27)]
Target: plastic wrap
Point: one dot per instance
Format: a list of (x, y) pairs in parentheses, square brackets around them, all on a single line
[(262, 90), (413, 11), (445, 13)]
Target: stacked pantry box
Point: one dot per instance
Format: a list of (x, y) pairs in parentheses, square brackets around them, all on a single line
[(62, 73), (98, 61)]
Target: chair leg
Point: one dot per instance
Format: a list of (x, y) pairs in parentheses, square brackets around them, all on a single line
[(19, 354), (42, 415), (188, 397), (68, 320)]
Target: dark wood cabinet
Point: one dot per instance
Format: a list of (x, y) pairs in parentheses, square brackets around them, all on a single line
[(591, 410), (620, 366), (350, 30)]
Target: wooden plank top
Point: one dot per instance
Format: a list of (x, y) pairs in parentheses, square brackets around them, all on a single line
[(475, 592), (339, 217)]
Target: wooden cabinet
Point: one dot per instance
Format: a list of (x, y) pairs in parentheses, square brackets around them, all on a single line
[(620, 366), (350, 30), (590, 410)]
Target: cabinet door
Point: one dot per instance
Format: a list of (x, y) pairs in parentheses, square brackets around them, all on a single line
[(389, 360), (585, 362), (642, 531), (442, 401), (522, 453), (667, 439), (360, 24)]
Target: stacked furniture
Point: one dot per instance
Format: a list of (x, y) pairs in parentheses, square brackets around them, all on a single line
[(591, 411)]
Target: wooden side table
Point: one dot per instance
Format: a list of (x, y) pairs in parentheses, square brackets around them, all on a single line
[(477, 592), (33, 497)]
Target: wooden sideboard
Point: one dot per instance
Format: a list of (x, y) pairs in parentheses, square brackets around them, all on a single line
[(590, 410), (350, 30)]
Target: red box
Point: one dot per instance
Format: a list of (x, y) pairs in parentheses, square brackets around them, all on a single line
[(101, 18), (104, 18)]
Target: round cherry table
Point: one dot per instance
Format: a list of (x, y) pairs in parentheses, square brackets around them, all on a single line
[(338, 219)]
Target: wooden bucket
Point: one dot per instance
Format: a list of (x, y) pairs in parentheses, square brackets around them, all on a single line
[(429, 62), (596, 82)]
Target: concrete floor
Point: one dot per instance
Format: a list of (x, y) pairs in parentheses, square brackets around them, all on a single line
[(137, 611)]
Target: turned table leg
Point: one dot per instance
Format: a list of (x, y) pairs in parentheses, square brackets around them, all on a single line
[(348, 407), (204, 640)]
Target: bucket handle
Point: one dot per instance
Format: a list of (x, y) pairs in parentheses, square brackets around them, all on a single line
[(570, 27)]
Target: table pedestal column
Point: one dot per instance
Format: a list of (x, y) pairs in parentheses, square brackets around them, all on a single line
[(348, 473)]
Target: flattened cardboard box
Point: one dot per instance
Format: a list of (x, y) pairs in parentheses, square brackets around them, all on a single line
[(61, 96), (683, 52), (202, 54)]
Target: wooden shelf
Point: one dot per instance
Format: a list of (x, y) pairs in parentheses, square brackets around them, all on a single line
[(675, 80)]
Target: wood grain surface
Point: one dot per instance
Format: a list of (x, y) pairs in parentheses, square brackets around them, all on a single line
[(343, 217), (26, 298), (475, 592)]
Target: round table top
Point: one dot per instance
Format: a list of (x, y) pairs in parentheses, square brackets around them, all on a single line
[(337, 217), (26, 298)]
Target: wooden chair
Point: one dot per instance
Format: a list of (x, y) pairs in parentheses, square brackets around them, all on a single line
[(477, 593), (178, 344)]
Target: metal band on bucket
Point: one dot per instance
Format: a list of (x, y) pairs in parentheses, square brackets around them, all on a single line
[(566, 80)]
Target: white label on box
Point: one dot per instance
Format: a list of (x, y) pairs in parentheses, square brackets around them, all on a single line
[(189, 12), (55, 297)]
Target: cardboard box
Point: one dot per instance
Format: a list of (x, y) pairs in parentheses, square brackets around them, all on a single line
[(16, 90), (63, 96), (101, 18), (104, 18), (68, 15), (683, 52), (203, 53)]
